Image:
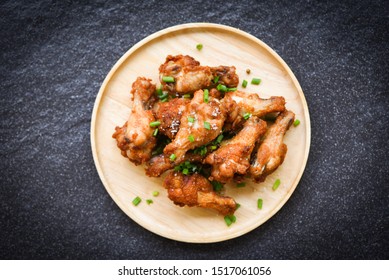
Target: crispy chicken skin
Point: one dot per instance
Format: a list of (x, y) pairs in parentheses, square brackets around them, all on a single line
[(189, 76), (169, 114), (233, 157), (272, 150), (135, 138), (238, 103), (196, 190), (194, 134)]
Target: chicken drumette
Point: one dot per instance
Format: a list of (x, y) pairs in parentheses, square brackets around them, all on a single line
[(135, 138), (272, 150), (239, 104), (196, 190), (233, 156), (188, 76)]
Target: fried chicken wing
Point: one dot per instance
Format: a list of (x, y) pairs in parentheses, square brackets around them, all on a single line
[(196, 190), (238, 103), (190, 76), (169, 114), (234, 154), (135, 138), (272, 150), (201, 122)]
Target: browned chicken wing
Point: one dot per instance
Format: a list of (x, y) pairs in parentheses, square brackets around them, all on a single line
[(135, 138), (238, 104), (169, 114), (196, 190), (233, 157), (189, 76), (272, 150), (201, 122)]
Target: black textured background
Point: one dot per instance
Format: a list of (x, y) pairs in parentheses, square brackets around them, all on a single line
[(56, 54)]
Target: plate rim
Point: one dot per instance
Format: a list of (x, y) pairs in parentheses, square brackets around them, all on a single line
[(200, 25)]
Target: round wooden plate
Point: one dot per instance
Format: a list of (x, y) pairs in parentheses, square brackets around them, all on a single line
[(222, 45)]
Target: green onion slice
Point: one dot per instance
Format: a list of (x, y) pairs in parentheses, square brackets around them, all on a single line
[(173, 157), (191, 119), (155, 124), (244, 83), (206, 96), (256, 81), (219, 138), (207, 125), (221, 87), (246, 116), (260, 203), (276, 184), (155, 193), (199, 46), (191, 138), (216, 79), (136, 200), (149, 201), (241, 185), (168, 79), (155, 132), (296, 122)]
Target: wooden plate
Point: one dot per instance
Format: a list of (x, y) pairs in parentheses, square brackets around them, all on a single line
[(223, 45)]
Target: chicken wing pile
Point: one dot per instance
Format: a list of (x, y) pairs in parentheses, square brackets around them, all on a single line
[(198, 125)]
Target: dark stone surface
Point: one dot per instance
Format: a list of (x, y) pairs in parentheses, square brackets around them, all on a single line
[(56, 54)]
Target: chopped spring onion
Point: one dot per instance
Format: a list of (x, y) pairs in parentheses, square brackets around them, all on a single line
[(206, 96), (276, 184), (296, 122), (221, 87), (256, 81), (207, 125), (244, 83), (155, 124), (187, 96), (219, 138), (155, 193), (191, 138), (149, 201), (241, 185), (229, 219), (246, 116), (168, 79), (216, 79), (173, 157), (260, 203), (191, 119), (185, 171), (199, 46), (136, 200), (237, 206), (213, 147), (155, 132)]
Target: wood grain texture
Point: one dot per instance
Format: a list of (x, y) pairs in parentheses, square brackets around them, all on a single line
[(223, 45)]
